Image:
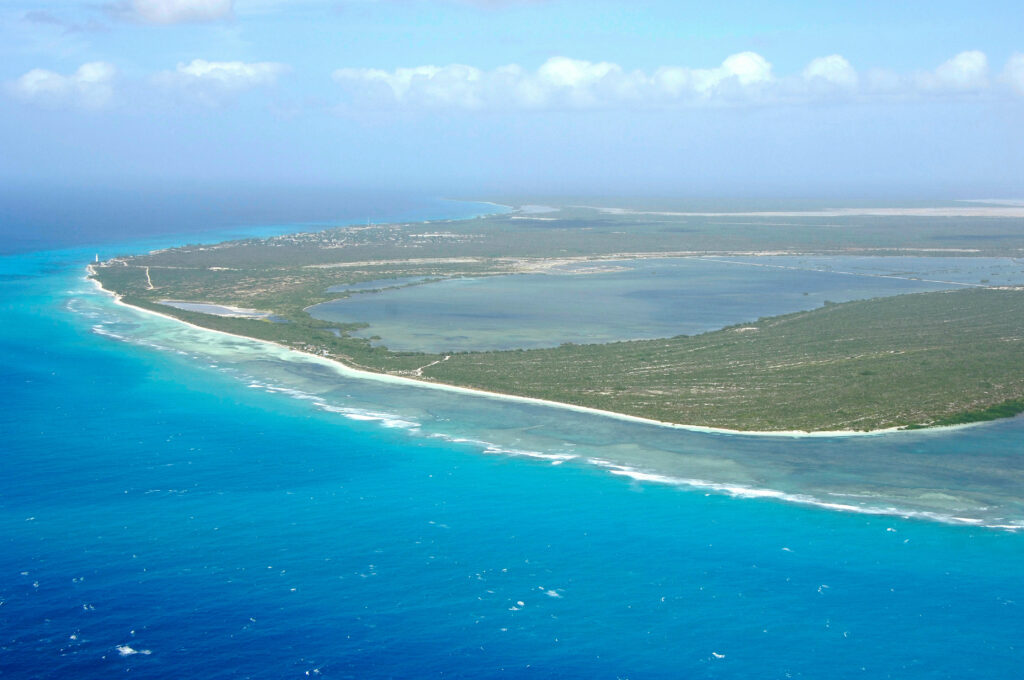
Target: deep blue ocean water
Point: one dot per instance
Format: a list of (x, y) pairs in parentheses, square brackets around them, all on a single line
[(160, 518)]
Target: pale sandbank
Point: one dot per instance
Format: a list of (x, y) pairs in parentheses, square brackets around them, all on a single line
[(953, 211)]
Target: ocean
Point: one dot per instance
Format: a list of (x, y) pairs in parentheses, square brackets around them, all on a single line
[(177, 503)]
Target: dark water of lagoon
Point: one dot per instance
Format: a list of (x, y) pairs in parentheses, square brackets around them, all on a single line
[(651, 298), (376, 284)]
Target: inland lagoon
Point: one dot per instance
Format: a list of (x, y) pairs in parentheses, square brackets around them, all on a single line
[(630, 299)]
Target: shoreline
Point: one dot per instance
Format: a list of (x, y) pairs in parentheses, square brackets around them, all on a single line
[(1004, 211), (363, 374)]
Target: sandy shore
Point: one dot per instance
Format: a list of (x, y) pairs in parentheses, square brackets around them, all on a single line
[(351, 372), (229, 310)]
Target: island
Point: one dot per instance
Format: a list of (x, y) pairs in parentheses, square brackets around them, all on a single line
[(922, 326)]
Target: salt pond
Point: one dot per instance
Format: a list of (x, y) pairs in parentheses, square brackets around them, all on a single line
[(223, 310), (641, 298), (376, 284)]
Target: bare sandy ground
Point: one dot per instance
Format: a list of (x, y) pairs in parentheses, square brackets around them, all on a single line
[(213, 307), (965, 211)]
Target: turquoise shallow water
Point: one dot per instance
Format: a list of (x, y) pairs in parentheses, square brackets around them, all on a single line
[(178, 504)]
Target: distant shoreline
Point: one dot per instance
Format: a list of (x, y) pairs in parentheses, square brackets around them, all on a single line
[(1011, 211), (364, 374)]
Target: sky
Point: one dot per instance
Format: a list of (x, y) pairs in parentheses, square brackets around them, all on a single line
[(495, 97)]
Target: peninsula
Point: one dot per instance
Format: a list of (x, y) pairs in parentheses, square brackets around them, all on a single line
[(942, 346)]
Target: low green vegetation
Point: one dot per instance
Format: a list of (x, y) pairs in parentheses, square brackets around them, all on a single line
[(912, 360), (1006, 409), (908, 361)]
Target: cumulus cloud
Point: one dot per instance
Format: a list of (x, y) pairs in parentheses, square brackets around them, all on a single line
[(454, 85), (833, 71), (1013, 73), (235, 75), (91, 86), (560, 82), (211, 82), (173, 11), (964, 72), (741, 76), (743, 79)]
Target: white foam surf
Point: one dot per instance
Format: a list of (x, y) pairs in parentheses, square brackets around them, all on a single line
[(398, 421), (744, 491)]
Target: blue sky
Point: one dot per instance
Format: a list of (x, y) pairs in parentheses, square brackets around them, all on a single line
[(909, 99)]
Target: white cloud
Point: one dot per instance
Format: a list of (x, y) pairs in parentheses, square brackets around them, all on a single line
[(173, 11), (747, 67), (964, 72), (453, 85), (211, 82), (559, 82), (235, 75), (1013, 73), (91, 86), (214, 83), (743, 79), (833, 71), (562, 72), (742, 76)]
